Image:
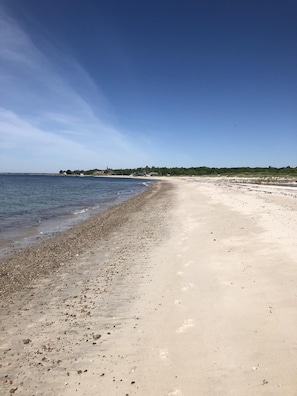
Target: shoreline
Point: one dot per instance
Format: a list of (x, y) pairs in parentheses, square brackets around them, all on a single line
[(20, 231), (46, 255), (192, 289)]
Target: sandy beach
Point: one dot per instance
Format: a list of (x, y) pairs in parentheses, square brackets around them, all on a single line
[(187, 289)]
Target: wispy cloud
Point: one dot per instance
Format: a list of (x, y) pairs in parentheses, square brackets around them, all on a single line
[(47, 116)]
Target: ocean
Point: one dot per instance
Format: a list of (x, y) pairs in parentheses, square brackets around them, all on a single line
[(34, 207)]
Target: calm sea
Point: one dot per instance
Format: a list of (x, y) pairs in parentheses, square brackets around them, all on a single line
[(36, 206)]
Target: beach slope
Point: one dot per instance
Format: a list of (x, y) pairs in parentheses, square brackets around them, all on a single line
[(189, 289)]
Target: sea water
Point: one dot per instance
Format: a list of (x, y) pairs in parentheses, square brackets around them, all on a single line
[(36, 206)]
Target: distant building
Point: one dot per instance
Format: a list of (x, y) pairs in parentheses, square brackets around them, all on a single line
[(153, 174)]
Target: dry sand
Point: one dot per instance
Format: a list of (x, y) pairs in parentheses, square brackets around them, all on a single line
[(189, 289)]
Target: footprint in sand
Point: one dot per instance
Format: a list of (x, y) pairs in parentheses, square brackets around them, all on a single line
[(163, 354), (176, 392), (188, 286), (187, 324), (183, 236)]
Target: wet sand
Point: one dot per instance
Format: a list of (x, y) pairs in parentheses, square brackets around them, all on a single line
[(187, 289)]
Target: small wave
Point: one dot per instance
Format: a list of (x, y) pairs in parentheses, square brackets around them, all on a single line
[(80, 211)]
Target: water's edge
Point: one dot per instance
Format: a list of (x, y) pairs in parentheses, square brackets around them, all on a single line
[(18, 239), (20, 269)]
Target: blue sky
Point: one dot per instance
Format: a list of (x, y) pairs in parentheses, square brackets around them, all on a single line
[(91, 84)]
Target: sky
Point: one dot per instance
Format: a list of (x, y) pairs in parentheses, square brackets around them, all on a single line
[(126, 84)]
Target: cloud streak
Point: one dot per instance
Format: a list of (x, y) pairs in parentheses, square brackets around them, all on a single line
[(47, 119)]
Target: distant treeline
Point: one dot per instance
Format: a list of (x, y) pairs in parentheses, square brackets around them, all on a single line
[(193, 171)]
